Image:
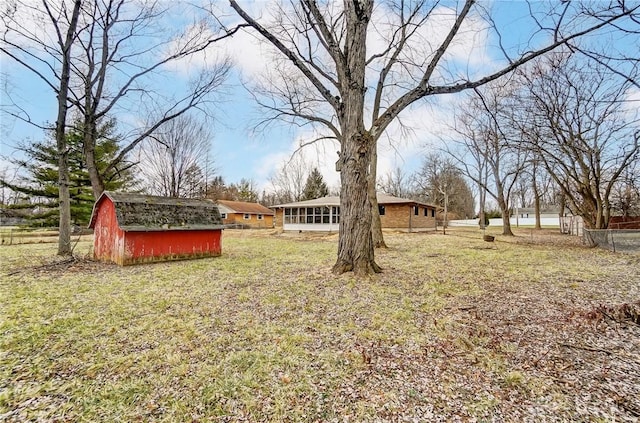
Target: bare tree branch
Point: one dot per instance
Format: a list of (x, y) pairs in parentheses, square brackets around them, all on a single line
[(295, 59)]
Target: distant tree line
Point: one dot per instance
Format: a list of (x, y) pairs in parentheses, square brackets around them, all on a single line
[(295, 180)]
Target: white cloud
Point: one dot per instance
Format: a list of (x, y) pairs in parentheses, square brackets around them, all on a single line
[(632, 103), (321, 154), (249, 52)]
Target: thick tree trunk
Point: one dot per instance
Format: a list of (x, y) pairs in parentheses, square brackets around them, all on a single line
[(591, 215), (602, 220), (64, 197), (506, 224), (599, 219), (355, 244), (506, 218), (376, 224)]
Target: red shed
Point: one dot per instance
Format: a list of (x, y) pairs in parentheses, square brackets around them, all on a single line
[(134, 228)]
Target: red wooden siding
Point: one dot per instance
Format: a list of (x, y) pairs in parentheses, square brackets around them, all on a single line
[(161, 246), (107, 236)]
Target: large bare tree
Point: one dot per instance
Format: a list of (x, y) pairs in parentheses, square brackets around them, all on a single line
[(289, 181), (124, 50), (626, 195), (583, 131), (441, 183), (330, 59), (31, 46), (120, 58), (488, 134), (397, 183), (176, 159)]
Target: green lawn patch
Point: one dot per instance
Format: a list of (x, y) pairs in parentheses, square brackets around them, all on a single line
[(453, 328)]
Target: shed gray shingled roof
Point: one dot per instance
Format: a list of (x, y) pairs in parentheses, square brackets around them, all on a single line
[(138, 212)]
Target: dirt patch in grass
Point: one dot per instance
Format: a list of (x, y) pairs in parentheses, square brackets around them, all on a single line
[(451, 330)]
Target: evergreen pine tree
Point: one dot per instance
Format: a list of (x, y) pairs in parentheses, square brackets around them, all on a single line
[(315, 187), (39, 185)]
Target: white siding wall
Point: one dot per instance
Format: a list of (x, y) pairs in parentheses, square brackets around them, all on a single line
[(320, 227)]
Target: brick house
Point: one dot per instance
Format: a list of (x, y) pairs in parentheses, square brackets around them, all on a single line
[(252, 215), (323, 214)]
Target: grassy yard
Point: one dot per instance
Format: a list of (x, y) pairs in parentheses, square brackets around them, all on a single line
[(533, 328)]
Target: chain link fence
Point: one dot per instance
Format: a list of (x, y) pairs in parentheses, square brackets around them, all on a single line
[(622, 240), (572, 225)]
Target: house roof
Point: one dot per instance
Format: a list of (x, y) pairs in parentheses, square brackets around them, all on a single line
[(383, 199), (245, 207), (138, 212)]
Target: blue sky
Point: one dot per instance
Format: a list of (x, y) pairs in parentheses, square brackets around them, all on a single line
[(237, 151), (240, 152)]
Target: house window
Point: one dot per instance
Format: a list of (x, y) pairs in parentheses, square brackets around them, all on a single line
[(246, 216), (426, 212), (311, 215), (223, 215), (416, 210), (260, 217), (381, 210), (433, 212), (293, 215)]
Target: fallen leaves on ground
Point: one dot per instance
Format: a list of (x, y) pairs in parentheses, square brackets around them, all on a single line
[(532, 328)]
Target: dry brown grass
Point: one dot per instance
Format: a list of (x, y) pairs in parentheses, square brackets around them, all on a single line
[(455, 328)]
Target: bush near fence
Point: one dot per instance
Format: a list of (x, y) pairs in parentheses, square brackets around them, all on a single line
[(622, 240)]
